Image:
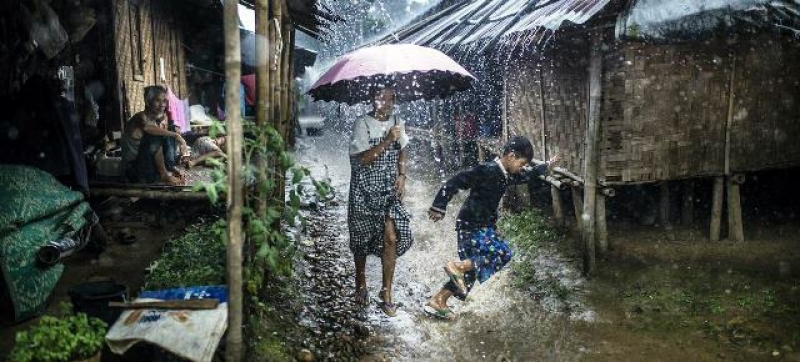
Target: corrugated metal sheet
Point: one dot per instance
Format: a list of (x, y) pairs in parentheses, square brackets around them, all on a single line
[(687, 19), (490, 19)]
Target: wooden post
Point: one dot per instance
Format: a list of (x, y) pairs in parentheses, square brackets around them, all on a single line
[(558, 205), (729, 118), (274, 63), (541, 110), (716, 208), (602, 231), (263, 95), (286, 24), (663, 215), (687, 210), (735, 227), (235, 196), (591, 154), (293, 106), (577, 205)]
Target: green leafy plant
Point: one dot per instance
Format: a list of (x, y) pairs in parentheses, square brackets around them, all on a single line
[(195, 258), (66, 337), (268, 249)]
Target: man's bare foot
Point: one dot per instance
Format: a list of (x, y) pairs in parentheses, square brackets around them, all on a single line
[(171, 180)]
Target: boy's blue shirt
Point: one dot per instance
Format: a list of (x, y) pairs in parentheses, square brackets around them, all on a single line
[(487, 184)]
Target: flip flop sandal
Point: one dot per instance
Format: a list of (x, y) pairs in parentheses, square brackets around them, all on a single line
[(445, 314), (456, 278), (390, 309)]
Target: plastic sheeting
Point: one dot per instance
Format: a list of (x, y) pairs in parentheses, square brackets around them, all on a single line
[(190, 334)]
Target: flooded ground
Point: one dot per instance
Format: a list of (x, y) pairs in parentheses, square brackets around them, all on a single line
[(498, 322), (657, 297)]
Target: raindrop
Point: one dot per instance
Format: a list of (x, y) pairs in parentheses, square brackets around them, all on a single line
[(13, 133)]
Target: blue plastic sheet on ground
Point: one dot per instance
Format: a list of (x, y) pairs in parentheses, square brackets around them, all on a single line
[(205, 292)]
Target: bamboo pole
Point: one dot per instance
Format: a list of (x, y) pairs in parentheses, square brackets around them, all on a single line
[(608, 192), (235, 196), (150, 194), (293, 106), (558, 205), (602, 230), (591, 154), (560, 170), (716, 208), (577, 205), (735, 228), (274, 63), (663, 214), (729, 118), (263, 95), (687, 210), (286, 32), (541, 110)]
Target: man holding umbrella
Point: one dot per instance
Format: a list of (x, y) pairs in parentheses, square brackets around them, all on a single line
[(376, 217)]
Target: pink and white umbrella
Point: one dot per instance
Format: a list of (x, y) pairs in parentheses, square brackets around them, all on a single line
[(415, 72)]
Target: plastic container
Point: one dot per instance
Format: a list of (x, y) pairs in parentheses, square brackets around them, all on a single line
[(92, 298)]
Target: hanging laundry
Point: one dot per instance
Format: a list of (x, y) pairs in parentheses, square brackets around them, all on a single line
[(249, 82), (176, 111)]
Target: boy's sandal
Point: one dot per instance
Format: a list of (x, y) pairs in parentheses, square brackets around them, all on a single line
[(457, 278), (440, 313), (388, 308)]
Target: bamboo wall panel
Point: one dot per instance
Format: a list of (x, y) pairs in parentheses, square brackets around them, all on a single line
[(564, 77), (766, 115), (155, 34), (664, 112)]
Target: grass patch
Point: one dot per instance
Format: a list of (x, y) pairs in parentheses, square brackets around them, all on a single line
[(528, 232), (734, 307)]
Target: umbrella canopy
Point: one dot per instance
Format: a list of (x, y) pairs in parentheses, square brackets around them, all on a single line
[(415, 72)]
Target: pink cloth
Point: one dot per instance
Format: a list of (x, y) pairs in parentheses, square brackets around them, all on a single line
[(249, 82), (176, 111)]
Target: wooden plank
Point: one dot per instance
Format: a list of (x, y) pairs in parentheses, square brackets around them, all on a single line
[(193, 304)]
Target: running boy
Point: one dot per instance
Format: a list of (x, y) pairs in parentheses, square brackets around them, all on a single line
[(480, 249)]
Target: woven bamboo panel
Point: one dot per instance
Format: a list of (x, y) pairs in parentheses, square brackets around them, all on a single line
[(156, 37), (664, 111), (563, 75), (766, 116)]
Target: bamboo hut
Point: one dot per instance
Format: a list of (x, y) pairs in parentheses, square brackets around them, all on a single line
[(638, 92), (107, 52)]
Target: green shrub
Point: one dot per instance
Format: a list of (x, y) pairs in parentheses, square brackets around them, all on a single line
[(67, 337)]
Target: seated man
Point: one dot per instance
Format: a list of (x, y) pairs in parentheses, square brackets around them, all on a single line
[(205, 148), (148, 147)]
